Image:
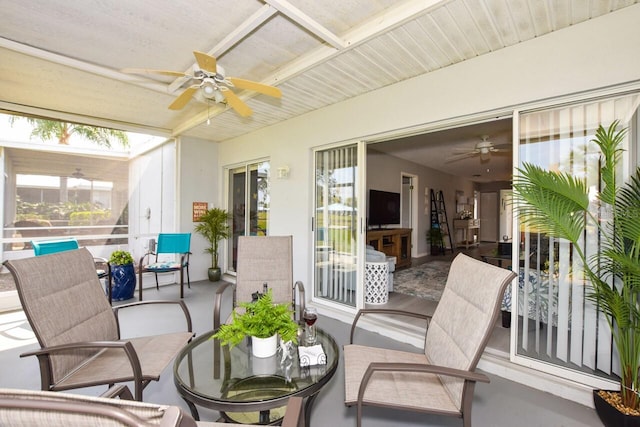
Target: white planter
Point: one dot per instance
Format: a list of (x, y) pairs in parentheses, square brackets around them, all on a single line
[(264, 347)]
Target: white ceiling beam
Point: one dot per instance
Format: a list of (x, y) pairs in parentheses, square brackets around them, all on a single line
[(254, 21), (80, 65), (380, 24), (307, 22)]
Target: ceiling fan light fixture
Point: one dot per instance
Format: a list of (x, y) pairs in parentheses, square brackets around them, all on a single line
[(209, 88)]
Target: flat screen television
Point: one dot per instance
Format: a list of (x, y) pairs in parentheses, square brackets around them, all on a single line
[(384, 208)]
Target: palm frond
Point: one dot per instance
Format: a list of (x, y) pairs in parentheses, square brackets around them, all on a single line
[(628, 209), (551, 202), (609, 141)]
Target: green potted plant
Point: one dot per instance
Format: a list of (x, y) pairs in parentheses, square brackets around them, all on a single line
[(558, 204), (123, 275), (263, 321), (436, 239), (214, 226)]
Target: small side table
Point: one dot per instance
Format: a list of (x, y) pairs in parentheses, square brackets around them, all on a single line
[(376, 279)]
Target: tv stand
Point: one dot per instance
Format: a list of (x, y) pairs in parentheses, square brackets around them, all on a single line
[(395, 242)]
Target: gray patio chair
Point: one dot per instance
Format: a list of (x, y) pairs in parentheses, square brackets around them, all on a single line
[(441, 379), (42, 408), (78, 330), (263, 259)]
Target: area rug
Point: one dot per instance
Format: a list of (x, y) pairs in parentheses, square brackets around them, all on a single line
[(425, 280)]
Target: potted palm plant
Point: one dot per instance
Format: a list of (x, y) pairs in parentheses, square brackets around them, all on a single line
[(435, 237), (214, 226), (558, 204), (123, 275), (263, 321)]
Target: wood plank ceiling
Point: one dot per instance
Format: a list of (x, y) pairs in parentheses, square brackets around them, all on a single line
[(63, 59)]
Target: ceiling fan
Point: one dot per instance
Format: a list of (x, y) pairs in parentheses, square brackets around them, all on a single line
[(209, 80), (484, 149)]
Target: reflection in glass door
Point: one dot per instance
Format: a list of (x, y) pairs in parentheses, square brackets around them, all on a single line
[(335, 220), (557, 325), (248, 205)]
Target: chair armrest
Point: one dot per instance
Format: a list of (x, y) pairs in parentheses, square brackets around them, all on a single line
[(217, 304), (184, 258), (416, 367), (385, 311), (301, 297), (182, 305), (120, 390), (125, 345), (141, 262)]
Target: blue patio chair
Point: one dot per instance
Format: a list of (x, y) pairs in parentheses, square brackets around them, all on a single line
[(46, 247), (168, 243)]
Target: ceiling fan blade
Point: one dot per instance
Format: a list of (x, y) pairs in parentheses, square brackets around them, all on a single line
[(255, 86), (236, 103), (465, 150), (183, 98), (461, 156), (502, 147), (148, 71), (206, 62)]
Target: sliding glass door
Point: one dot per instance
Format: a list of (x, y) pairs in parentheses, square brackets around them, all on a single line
[(248, 205), (336, 231), (557, 327)]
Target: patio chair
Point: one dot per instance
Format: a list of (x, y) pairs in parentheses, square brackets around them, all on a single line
[(103, 268), (441, 379), (78, 330), (168, 243), (42, 408), (262, 260)]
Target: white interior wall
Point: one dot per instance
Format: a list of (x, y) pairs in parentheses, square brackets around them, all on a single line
[(592, 55), (198, 183), (383, 173)]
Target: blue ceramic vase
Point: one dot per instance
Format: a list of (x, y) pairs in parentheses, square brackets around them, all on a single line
[(123, 279)]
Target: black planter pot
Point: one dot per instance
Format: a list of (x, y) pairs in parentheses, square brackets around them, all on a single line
[(506, 319), (123, 279), (215, 274), (610, 416)]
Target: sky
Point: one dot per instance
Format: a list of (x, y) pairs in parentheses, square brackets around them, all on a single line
[(20, 131)]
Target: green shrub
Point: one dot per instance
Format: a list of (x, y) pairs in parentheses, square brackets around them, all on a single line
[(88, 218), (120, 257)]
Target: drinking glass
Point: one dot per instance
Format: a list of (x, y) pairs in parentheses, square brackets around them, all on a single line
[(310, 315)]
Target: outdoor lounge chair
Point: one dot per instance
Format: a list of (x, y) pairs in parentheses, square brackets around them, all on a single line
[(47, 247), (168, 243), (440, 380), (78, 330), (42, 408), (263, 260)]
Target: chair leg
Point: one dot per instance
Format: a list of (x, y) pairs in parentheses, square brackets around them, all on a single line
[(188, 280), (182, 283), (157, 285)]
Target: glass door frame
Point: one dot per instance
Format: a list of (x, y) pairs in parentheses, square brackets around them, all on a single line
[(360, 235), (530, 362)]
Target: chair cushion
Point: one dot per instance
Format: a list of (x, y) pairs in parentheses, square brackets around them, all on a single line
[(419, 391), (112, 365), (164, 265)]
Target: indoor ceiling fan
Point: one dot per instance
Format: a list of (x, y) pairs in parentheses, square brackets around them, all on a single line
[(484, 149), (209, 80)]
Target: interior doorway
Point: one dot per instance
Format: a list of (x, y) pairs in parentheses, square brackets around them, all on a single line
[(409, 209), (489, 216)]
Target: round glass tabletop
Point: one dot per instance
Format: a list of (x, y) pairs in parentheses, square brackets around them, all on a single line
[(226, 379)]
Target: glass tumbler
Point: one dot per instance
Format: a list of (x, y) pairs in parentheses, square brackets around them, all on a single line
[(310, 315)]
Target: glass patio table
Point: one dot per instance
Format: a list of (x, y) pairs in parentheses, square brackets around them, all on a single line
[(249, 389)]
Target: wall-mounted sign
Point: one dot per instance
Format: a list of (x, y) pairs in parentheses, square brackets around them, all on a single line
[(199, 208)]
